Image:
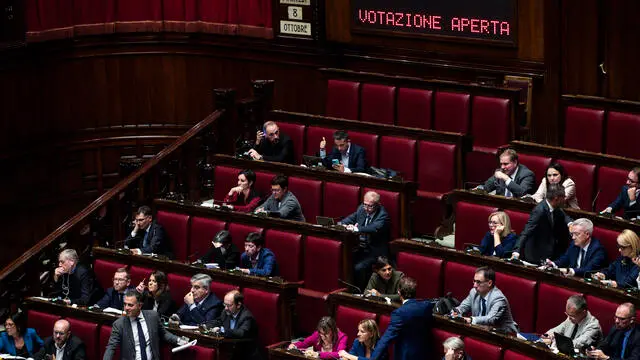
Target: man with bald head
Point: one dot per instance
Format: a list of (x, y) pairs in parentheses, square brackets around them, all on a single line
[(62, 345), (237, 322), (623, 341)]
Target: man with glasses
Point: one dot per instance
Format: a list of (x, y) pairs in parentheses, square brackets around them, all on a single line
[(373, 225), (114, 296), (627, 199), (272, 145), (63, 345), (582, 327), (584, 255), (623, 341), (512, 179), (237, 322), (147, 236), (74, 282), (282, 203), (486, 304), (200, 304)]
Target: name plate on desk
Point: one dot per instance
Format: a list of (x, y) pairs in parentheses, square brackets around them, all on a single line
[(298, 19)]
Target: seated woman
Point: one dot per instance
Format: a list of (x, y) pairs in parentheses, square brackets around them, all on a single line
[(18, 340), (243, 197), (454, 349), (363, 346), (556, 174), (622, 273), (500, 239), (385, 280), (325, 343), (156, 294)]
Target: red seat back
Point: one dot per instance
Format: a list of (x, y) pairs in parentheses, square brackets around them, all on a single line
[(414, 108), (348, 319), (439, 336), (378, 104), (622, 129), (322, 264), (288, 250), (103, 339), (309, 194), (139, 273), (314, 136), (552, 301), (370, 144), (518, 220), (458, 279), (491, 121), (603, 310), (471, 223), (265, 307), (391, 202), (608, 239), (194, 352), (399, 154), (42, 322), (263, 183), (512, 355), (536, 163), (451, 112), (521, 294), (202, 232), (426, 270), (610, 181), (179, 286), (437, 166), (104, 270), (221, 289), (225, 178), (339, 200), (343, 99), (239, 233), (583, 128), (584, 175), (88, 333), (478, 349), (177, 231), (296, 133)]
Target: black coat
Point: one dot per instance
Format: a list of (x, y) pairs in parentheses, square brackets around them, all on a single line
[(83, 287), (246, 328), (540, 239), (166, 305), (73, 350), (157, 242), (612, 344), (229, 260)]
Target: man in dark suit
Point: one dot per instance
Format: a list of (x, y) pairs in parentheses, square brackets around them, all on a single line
[(73, 282), (271, 145), (148, 236), (63, 345), (627, 199), (200, 304), (584, 255), (349, 157), (114, 296), (372, 222), (623, 341), (224, 252), (546, 234), (512, 179), (237, 322), (256, 259), (410, 326), (127, 331)]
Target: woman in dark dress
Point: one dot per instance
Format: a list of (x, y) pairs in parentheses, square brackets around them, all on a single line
[(156, 294), (500, 239)]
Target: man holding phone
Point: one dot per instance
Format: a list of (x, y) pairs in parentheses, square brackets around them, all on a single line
[(345, 156), (271, 145)]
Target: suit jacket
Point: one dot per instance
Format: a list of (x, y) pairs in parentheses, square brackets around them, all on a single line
[(622, 202), (521, 185), (357, 158), (122, 336), (266, 266), (157, 241), (595, 258), (289, 208), (229, 260), (589, 331), (386, 288), (623, 271), (280, 152), (208, 310), (166, 305), (612, 344), (246, 328), (498, 312), (31, 341), (74, 349), (83, 286), (540, 239), (410, 327), (111, 299), (506, 245), (358, 349), (378, 231)]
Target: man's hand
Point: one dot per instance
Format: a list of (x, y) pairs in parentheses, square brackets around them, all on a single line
[(323, 143), (501, 176), (599, 276), (259, 137), (188, 299), (136, 251), (608, 210), (631, 191), (450, 355), (260, 210), (547, 339), (67, 301), (351, 227), (183, 340), (136, 228), (216, 329), (515, 255), (596, 354), (338, 167), (59, 271), (245, 271), (254, 154), (373, 292), (291, 346), (467, 320)]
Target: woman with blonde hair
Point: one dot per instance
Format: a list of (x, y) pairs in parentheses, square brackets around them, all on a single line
[(622, 273), (500, 239), (365, 343)]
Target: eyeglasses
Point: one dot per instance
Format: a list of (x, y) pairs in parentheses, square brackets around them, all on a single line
[(623, 318), (493, 223), (368, 206), (620, 247), (273, 133), (9, 325), (631, 180), (227, 305), (61, 333), (576, 233), (119, 280), (478, 282), (140, 219), (275, 191)]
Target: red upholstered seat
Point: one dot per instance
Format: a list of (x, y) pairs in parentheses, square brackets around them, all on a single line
[(104, 270), (391, 202), (239, 233), (139, 273), (480, 164), (518, 220), (103, 339), (202, 232), (426, 270), (225, 177), (451, 112), (180, 285), (176, 227), (512, 355), (340, 200), (42, 322), (583, 128), (348, 319), (439, 336), (622, 129), (378, 104), (288, 250), (194, 352), (263, 183), (610, 181), (536, 163), (383, 323), (221, 289), (313, 138), (458, 279), (265, 307), (88, 333), (608, 239), (213, 11), (370, 144), (481, 350), (603, 310), (296, 133), (471, 223), (552, 301), (414, 108), (399, 154), (343, 99), (584, 175), (521, 294), (309, 194)]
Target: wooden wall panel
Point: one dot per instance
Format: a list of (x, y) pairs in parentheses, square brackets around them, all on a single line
[(622, 50), (581, 47)]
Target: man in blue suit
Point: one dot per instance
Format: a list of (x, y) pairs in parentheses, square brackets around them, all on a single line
[(410, 326), (585, 254), (147, 236), (256, 259), (350, 157), (372, 222), (627, 199), (200, 304), (114, 296)]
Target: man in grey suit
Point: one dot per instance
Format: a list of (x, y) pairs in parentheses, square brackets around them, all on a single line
[(512, 179), (486, 303), (127, 331), (582, 327), (282, 202)]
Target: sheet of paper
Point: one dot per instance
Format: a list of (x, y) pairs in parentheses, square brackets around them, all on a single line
[(185, 346), (111, 310), (188, 327)]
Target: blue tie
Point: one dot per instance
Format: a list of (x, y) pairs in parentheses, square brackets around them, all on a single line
[(624, 343), (142, 340), (483, 307), (583, 255), (145, 242)]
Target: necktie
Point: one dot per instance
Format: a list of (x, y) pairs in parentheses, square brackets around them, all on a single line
[(507, 193), (483, 307), (145, 242), (583, 254), (552, 219), (142, 341), (367, 220), (574, 332), (120, 301), (624, 343)]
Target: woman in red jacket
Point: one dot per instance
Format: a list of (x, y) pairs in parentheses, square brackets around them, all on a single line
[(243, 197)]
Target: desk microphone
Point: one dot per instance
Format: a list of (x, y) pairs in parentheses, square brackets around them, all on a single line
[(353, 287), (593, 203), (195, 253)]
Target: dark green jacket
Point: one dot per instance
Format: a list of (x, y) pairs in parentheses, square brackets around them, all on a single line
[(386, 288)]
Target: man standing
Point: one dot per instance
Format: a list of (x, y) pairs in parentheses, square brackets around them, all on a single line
[(374, 226), (585, 254), (237, 322), (512, 179), (282, 202), (114, 296), (486, 303), (627, 199), (580, 325), (257, 260), (200, 304), (224, 252), (63, 345), (73, 282), (271, 145), (623, 341), (349, 157), (138, 334), (147, 236), (546, 234), (409, 326)]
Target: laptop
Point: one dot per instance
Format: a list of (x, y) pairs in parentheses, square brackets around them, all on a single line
[(325, 221), (312, 161), (564, 344)]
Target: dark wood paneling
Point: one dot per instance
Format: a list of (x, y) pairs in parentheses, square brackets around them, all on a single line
[(622, 53)]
